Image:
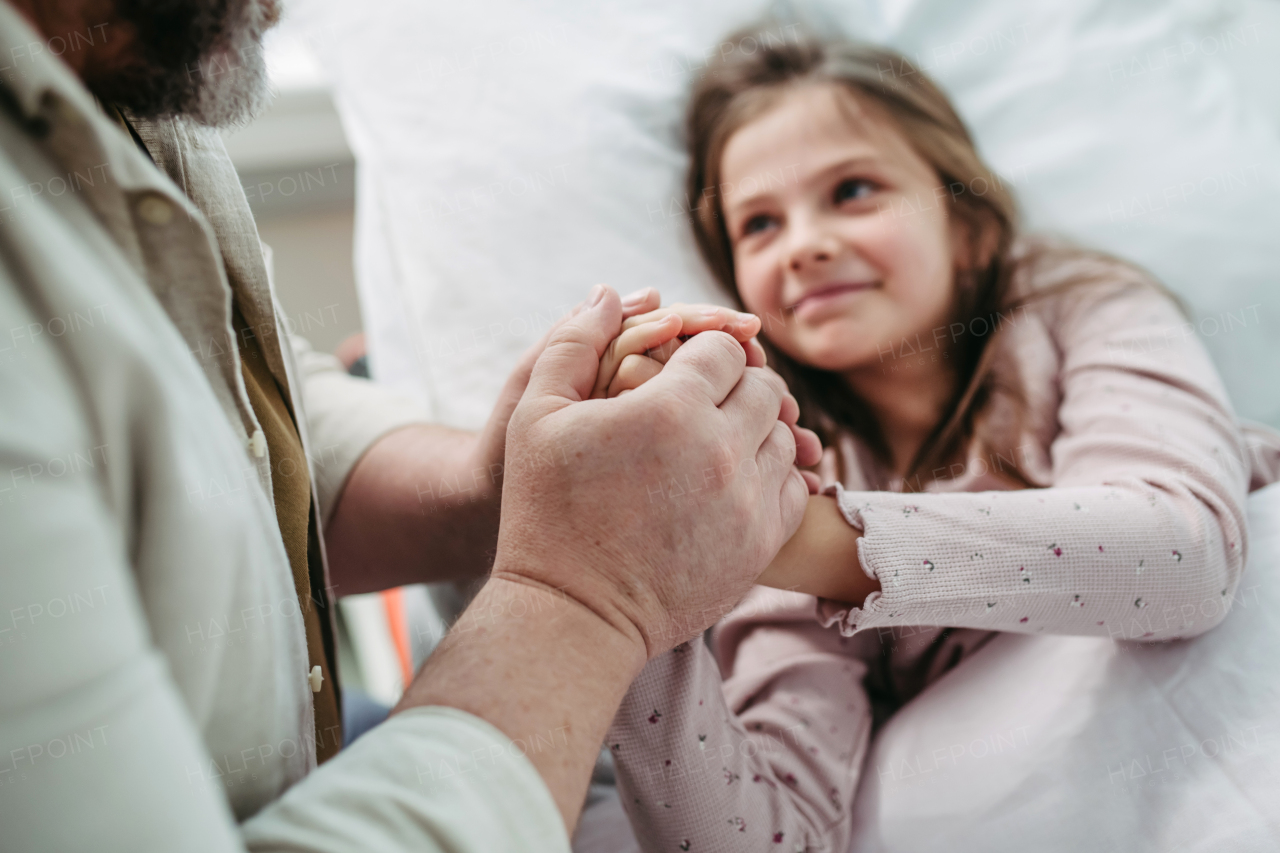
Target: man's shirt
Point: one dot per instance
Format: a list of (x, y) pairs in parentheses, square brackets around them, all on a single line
[(155, 677)]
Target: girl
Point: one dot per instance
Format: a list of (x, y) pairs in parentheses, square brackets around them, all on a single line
[(1020, 437)]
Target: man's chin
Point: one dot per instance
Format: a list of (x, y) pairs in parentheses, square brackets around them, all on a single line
[(236, 99), (220, 83)]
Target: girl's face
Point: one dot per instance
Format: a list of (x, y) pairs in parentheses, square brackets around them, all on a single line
[(841, 240)]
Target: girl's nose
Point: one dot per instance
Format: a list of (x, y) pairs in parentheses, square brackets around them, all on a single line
[(816, 256), (812, 249)]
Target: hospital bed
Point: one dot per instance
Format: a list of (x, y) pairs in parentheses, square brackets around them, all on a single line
[(514, 152)]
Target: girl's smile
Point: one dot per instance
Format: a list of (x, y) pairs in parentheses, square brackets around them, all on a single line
[(827, 299)]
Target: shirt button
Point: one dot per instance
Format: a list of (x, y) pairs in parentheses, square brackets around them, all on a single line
[(316, 678), (258, 444), (155, 210)]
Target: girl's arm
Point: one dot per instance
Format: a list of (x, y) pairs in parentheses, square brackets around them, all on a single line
[(822, 557), (767, 761), (1142, 535)]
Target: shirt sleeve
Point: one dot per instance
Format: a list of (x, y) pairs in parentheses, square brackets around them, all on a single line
[(345, 416), (770, 760), (1140, 537), (427, 779)]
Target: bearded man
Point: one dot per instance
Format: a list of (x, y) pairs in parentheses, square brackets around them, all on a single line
[(184, 490)]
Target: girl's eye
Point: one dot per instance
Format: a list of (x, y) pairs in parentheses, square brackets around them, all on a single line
[(759, 222), (853, 189)]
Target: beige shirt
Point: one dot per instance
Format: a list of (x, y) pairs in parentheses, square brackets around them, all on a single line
[(154, 687)]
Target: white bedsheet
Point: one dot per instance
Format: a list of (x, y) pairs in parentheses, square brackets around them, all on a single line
[(1074, 744), (1082, 744)]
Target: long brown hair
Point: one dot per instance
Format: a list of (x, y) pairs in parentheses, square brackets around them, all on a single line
[(740, 86)]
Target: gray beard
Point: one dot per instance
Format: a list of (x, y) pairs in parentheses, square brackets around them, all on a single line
[(234, 87), (202, 60)]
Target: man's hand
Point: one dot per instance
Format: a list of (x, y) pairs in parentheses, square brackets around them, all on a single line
[(601, 563), (422, 504), (489, 451), (656, 510)]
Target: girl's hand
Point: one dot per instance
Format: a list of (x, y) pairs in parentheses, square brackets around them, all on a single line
[(650, 337)]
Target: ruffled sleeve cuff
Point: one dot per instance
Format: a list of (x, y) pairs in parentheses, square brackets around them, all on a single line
[(840, 614)]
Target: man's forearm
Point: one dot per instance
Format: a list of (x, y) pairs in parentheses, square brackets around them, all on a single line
[(414, 486), (544, 670)]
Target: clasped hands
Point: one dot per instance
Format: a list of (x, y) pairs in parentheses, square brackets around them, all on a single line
[(584, 509), (651, 335)]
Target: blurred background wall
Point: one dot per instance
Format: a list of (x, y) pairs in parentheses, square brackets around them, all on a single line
[(299, 176)]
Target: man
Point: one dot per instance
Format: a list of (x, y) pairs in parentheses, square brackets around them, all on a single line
[(166, 483)]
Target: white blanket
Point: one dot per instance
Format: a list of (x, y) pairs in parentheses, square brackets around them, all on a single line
[(1074, 743)]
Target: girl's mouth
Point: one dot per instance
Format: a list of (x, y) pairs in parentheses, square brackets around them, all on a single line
[(815, 301)]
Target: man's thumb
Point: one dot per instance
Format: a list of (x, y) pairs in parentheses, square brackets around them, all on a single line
[(566, 371)]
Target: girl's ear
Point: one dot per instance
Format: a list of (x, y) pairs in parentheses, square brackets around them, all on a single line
[(974, 240)]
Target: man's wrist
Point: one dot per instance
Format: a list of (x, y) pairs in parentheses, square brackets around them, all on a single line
[(541, 624), (530, 658), (478, 472), (571, 617)]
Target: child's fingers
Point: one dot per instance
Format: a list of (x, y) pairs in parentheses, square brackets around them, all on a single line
[(755, 352), (641, 302), (703, 318), (634, 371), (633, 341), (663, 352)]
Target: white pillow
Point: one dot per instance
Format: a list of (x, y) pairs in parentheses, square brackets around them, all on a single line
[(514, 153), (511, 154), (1147, 129)]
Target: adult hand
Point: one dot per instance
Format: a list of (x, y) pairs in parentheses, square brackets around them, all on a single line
[(485, 462), (601, 564), (422, 504), (656, 510)]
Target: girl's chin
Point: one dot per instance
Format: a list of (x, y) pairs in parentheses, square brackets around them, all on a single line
[(839, 347), (838, 358)]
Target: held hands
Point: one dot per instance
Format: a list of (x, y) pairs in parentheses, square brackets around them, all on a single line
[(585, 509), (650, 337), (486, 461)]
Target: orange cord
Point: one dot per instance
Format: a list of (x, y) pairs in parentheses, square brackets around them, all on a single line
[(393, 601)]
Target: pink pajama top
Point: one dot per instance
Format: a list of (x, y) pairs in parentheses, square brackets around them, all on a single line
[(1135, 532)]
